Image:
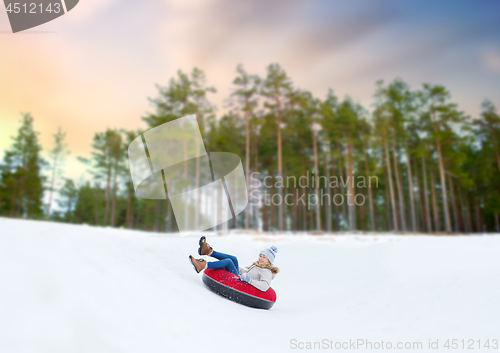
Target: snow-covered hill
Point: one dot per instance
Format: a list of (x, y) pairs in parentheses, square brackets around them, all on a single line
[(68, 288)]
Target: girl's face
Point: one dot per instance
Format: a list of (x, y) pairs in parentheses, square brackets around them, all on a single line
[(263, 259)]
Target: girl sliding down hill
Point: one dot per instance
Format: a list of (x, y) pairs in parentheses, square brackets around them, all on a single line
[(259, 274)]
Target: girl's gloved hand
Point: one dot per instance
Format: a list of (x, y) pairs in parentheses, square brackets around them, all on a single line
[(245, 277)]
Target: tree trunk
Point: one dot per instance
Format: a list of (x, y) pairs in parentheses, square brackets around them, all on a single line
[(402, 212), (170, 218), (391, 189), (469, 215), (108, 189), (442, 177), (70, 204), (131, 221), (21, 187), (362, 215), (434, 201), (350, 188), (280, 168), (410, 188), (247, 162), (96, 198), (476, 208), (370, 197), (273, 213), (419, 213), (336, 208), (341, 176), (316, 179), (480, 227), (256, 168), (304, 213), (387, 202), (328, 208), (428, 223), (265, 221), (127, 213), (13, 200), (299, 210), (453, 205), (52, 181), (294, 212), (186, 177), (113, 204), (464, 211), (21, 192), (157, 216)]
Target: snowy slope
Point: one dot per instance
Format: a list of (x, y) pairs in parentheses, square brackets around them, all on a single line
[(68, 288)]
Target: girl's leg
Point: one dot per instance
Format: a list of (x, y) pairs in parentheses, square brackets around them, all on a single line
[(222, 256), (224, 263)]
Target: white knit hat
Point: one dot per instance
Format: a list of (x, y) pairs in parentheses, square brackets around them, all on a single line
[(270, 253)]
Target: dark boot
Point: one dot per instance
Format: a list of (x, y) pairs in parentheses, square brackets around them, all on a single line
[(198, 264), (204, 248)]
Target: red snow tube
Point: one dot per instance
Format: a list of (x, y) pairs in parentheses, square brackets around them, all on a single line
[(223, 283)]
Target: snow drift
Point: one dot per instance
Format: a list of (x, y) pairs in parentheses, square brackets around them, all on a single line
[(68, 288)]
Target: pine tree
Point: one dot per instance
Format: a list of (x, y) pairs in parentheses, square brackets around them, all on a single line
[(107, 163), (21, 178), (348, 118), (57, 154), (401, 101), (382, 120), (332, 132), (248, 86), (276, 86), (199, 89), (488, 130), (439, 117), (67, 199), (365, 131)]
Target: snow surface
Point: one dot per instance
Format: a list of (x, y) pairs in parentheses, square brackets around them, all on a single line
[(73, 288)]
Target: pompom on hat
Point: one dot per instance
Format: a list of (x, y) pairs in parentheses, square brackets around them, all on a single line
[(270, 253)]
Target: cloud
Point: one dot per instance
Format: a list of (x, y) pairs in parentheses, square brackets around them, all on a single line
[(315, 40), (491, 59), (209, 29), (279, 30), (88, 8), (99, 65)]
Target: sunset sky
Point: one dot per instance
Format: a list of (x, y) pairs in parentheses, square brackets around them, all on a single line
[(96, 66)]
